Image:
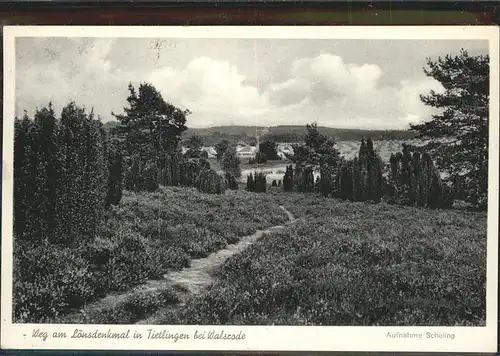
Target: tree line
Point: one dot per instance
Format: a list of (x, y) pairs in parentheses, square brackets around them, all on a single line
[(68, 170), (409, 178), (66, 174)]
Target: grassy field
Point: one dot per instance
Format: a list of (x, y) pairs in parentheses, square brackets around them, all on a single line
[(143, 238), (353, 264)]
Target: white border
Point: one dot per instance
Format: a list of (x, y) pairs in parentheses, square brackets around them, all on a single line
[(467, 339)]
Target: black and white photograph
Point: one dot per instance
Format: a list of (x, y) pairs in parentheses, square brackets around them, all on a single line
[(236, 181)]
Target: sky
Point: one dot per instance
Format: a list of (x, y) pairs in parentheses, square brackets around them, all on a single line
[(369, 84)]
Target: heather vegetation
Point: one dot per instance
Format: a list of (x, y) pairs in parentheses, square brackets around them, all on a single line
[(353, 264), (144, 237)]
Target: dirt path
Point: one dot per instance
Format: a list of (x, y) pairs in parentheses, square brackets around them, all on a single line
[(189, 281), (196, 278), (199, 274)]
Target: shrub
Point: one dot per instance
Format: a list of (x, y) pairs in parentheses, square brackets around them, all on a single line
[(257, 183), (142, 304), (49, 281)]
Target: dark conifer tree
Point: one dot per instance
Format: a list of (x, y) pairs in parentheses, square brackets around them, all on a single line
[(288, 179), (362, 150), (149, 176), (394, 176), (231, 181), (95, 174), (326, 180), (115, 178), (413, 194), (135, 173), (357, 193), (204, 164), (406, 173), (47, 170), (249, 182), (24, 176), (377, 179)]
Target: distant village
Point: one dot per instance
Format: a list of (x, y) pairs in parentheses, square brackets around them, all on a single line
[(246, 151)]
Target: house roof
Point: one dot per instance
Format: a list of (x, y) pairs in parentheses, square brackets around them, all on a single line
[(248, 149)]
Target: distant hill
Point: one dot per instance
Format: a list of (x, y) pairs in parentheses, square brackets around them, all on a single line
[(293, 133), (284, 133)]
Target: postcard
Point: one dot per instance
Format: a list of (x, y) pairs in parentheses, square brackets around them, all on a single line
[(250, 188)]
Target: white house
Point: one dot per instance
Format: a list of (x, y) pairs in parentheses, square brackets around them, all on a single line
[(284, 149), (247, 151)]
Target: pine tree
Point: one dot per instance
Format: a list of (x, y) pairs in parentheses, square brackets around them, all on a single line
[(150, 126), (459, 132)]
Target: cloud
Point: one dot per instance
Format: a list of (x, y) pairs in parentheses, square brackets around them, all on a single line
[(78, 71), (322, 88), (215, 91), (335, 93)]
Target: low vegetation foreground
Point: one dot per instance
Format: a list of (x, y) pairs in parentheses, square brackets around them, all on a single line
[(354, 264)]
